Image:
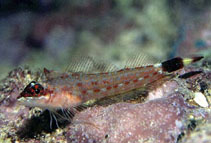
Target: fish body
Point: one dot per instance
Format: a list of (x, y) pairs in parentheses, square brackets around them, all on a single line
[(65, 90)]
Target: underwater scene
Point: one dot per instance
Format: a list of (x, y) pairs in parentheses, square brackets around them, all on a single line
[(105, 71)]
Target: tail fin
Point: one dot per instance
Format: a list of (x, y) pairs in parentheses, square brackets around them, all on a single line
[(178, 63)]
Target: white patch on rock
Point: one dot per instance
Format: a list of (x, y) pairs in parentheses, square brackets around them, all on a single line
[(179, 124), (200, 99)]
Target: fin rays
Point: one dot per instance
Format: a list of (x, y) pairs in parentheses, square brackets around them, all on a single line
[(89, 65)]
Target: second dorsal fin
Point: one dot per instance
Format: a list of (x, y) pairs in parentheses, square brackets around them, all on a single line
[(89, 65), (138, 60)]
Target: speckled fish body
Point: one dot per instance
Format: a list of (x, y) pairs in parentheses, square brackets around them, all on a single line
[(90, 86), (69, 90)]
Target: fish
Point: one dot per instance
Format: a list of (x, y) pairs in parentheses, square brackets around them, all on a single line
[(63, 90)]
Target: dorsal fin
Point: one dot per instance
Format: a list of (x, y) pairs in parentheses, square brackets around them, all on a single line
[(89, 65), (51, 74), (139, 60)]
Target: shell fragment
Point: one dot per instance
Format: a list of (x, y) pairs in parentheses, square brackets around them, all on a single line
[(200, 99)]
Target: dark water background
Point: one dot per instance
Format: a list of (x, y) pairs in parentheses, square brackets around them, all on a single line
[(48, 33)]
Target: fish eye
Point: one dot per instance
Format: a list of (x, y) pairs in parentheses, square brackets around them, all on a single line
[(33, 89), (32, 83), (37, 91)]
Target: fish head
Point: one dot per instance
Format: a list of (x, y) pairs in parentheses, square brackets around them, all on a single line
[(34, 95)]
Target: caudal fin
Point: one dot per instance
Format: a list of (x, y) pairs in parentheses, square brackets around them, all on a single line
[(178, 63)]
